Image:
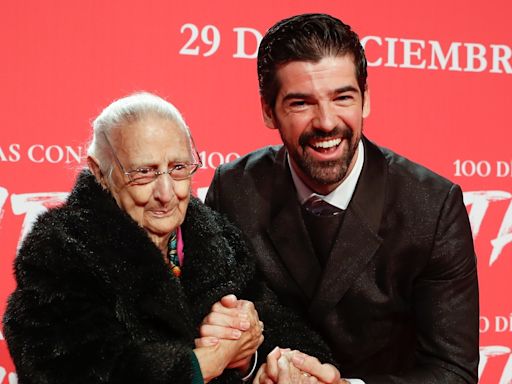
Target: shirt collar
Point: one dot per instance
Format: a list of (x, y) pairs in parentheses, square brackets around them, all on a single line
[(342, 195)]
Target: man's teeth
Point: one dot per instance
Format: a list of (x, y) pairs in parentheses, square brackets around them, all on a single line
[(327, 144)]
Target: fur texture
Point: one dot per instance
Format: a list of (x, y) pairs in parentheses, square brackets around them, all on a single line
[(95, 302)]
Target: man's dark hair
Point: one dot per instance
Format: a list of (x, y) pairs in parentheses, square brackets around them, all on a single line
[(307, 37)]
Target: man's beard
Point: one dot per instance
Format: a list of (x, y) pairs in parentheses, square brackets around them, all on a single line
[(326, 172)]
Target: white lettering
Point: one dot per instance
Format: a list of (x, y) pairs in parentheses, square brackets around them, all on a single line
[(12, 378), (504, 236), (194, 33), (3, 197), (13, 153), (31, 150), (241, 40), (504, 59), (210, 36), (38, 153), (73, 156), (484, 324), (380, 51), (501, 324), (470, 168), (201, 193), (479, 202), (384, 51), (214, 159), (503, 169), (231, 156), (489, 352), (475, 53), (32, 205), (506, 376), (391, 52), (437, 53), (54, 154), (409, 53), (378, 40), (413, 53)]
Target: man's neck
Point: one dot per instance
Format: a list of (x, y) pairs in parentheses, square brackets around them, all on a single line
[(341, 194)]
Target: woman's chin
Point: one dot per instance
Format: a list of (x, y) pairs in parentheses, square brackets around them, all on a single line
[(161, 229)]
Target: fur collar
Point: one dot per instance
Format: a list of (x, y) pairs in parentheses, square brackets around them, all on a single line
[(109, 248)]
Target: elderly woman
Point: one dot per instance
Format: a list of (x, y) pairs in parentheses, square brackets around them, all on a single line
[(132, 277)]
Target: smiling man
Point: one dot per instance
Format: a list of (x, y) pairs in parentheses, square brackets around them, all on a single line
[(373, 250), (319, 113)]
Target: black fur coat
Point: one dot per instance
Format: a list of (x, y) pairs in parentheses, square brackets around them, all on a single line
[(95, 302)]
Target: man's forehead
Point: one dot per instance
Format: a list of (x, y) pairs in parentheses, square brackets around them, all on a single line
[(347, 58), (331, 71)]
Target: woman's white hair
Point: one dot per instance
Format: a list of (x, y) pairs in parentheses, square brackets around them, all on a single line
[(125, 111)]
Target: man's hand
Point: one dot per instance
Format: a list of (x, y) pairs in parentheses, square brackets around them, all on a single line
[(285, 366)]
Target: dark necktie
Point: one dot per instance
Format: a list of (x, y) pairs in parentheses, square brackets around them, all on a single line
[(322, 221), (319, 207)]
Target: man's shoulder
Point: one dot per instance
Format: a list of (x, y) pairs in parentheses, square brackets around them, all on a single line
[(248, 181), (403, 168)]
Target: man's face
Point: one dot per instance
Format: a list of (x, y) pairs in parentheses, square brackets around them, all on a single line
[(319, 113)]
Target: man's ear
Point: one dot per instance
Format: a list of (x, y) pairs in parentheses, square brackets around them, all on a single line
[(366, 103), (268, 114), (94, 167)]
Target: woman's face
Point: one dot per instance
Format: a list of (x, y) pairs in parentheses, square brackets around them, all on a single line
[(160, 205)]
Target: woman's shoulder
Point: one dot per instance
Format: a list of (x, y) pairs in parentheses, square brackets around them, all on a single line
[(203, 219), (216, 248)]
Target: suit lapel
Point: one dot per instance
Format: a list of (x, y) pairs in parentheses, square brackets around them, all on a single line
[(291, 240), (288, 233), (358, 238)]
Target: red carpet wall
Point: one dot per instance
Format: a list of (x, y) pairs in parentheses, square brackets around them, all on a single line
[(440, 79)]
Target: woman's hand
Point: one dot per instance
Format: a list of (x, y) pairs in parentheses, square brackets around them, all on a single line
[(236, 321)]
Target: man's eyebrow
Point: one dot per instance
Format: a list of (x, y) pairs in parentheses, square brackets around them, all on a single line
[(347, 88), (299, 95), (296, 95)]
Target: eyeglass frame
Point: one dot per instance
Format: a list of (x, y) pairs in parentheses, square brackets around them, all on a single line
[(157, 173)]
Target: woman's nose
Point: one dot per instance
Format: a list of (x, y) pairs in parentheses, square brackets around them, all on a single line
[(164, 188)]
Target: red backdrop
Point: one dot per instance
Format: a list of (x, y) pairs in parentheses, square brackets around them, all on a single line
[(440, 81)]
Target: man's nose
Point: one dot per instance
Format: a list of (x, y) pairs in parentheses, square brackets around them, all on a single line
[(325, 117)]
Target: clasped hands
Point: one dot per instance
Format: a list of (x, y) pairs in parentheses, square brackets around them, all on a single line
[(230, 335), (284, 366), (233, 332)]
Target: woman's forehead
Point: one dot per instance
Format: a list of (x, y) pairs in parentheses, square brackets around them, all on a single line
[(153, 140)]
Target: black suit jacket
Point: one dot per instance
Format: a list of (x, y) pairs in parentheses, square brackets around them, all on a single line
[(398, 298)]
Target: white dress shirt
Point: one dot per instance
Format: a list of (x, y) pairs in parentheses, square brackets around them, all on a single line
[(340, 197)]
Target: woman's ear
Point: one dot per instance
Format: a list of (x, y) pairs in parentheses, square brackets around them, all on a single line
[(94, 167)]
